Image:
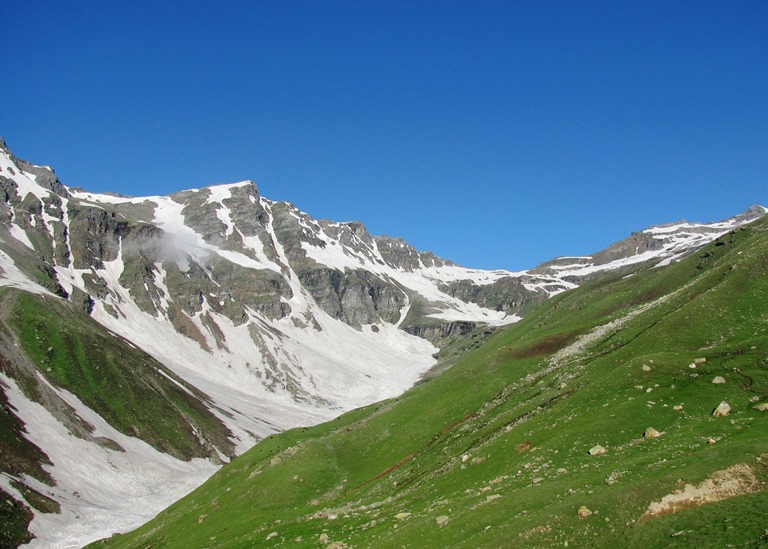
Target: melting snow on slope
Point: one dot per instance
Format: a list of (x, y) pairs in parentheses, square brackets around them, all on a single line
[(21, 235), (584, 270), (100, 490), (11, 275), (349, 368)]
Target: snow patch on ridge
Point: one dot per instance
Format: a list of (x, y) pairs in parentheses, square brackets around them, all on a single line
[(579, 270)]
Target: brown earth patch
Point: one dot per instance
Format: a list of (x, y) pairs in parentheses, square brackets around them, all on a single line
[(523, 447), (734, 481), (544, 346)]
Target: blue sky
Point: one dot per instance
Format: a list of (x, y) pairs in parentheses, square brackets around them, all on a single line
[(496, 134)]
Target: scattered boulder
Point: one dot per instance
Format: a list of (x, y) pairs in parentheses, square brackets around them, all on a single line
[(584, 512), (401, 516), (762, 407), (677, 407), (613, 478), (337, 545), (699, 361), (271, 536), (723, 409), (692, 365), (323, 538), (646, 368), (650, 432), (719, 380), (442, 520), (597, 450)]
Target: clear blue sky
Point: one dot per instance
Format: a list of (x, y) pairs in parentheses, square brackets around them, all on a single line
[(496, 134)]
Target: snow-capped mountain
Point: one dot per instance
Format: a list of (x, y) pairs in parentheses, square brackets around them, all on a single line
[(247, 316), (268, 317), (661, 244)]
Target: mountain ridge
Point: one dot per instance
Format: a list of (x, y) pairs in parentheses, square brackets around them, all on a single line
[(630, 411), (262, 315)]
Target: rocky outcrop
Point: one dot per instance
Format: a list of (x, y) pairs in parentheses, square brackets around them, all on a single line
[(355, 297), (438, 332), (508, 294)]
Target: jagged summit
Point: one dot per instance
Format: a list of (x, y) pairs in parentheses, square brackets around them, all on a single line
[(44, 176)]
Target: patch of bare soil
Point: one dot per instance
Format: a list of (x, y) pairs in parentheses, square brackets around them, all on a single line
[(734, 481)]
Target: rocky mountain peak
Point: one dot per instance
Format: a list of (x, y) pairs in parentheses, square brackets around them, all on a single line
[(44, 176), (753, 212)]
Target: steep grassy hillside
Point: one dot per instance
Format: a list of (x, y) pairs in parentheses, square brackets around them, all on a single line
[(132, 391), (127, 387), (45, 346), (496, 451)]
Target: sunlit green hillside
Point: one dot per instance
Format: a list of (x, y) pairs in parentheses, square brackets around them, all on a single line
[(496, 450)]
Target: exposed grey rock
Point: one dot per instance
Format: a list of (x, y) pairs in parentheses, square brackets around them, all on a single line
[(597, 450), (508, 294), (356, 297), (723, 409), (439, 331), (650, 432)]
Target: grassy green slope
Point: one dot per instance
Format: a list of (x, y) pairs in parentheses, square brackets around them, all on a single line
[(497, 447), (127, 387)]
